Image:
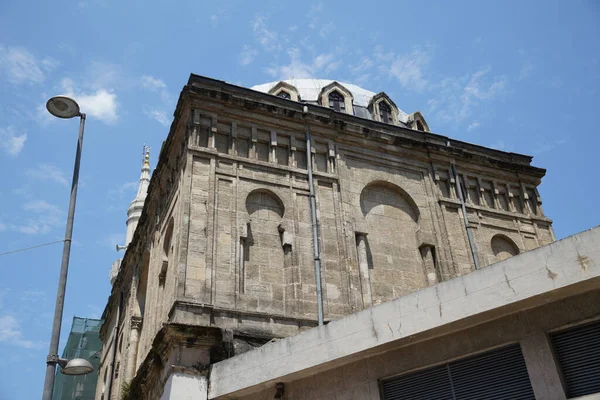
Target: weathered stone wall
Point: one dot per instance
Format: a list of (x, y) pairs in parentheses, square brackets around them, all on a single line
[(390, 220), (226, 236), (390, 223)]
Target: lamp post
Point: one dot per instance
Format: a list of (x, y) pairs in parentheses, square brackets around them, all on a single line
[(65, 107)]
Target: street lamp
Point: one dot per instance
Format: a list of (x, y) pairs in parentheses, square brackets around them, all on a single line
[(65, 107)]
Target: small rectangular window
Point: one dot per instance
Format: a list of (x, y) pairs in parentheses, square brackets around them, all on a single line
[(262, 151), (282, 155), (488, 193), (473, 190), (321, 162), (242, 146), (222, 142), (532, 200), (515, 199)]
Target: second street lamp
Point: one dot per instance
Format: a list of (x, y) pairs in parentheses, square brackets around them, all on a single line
[(65, 107)]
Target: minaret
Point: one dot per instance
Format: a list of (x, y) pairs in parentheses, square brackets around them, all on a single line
[(135, 210)]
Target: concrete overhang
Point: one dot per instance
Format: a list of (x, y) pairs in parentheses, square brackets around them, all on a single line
[(559, 270)]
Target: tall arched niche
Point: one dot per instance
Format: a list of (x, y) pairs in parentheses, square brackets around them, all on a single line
[(391, 222), (262, 256)]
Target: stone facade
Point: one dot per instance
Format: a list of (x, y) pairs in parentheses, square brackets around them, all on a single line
[(222, 257)]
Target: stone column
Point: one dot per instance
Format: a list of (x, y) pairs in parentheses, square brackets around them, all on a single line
[(184, 384), (429, 265), (134, 338), (541, 366), (363, 266)]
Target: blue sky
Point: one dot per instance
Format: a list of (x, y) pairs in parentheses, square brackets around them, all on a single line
[(517, 76)]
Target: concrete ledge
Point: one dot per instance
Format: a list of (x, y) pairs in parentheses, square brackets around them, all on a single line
[(546, 274)]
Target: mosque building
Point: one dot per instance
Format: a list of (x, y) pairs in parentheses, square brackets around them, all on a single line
[(308, 239)]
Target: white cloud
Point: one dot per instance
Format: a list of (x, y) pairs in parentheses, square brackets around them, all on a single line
[(456, 98), (222, 14), (112, 239), (473, 125), (149, 82), (18, 65), (482, 91), (11, 141), (299, 69), (158, 115), (526, 70), (42, 217), (128, 187), (10, 332), (313, 14), (48, 172), (268, 39), (327, 29), (101, 75), (548, 146), (409, 69), (101, 104), (247, 55)]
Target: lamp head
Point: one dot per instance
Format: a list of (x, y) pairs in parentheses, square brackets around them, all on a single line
[(77, 366), (63, 107)]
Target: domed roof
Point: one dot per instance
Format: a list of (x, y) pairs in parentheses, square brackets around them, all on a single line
[(310, 90), (357, 101)]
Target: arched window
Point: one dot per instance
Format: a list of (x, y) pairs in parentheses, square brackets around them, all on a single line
[(336, 101), (385, 112), (284, 95), (503, 247)]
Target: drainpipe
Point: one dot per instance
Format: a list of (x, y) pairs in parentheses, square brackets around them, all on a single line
[(466, 220), (113, 348), (313, 211)]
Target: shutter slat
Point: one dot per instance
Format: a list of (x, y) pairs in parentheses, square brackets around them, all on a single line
[(431, 384), (578, 353), (497, 375)]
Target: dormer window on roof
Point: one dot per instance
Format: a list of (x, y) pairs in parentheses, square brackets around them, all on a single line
[(337, 102), (345, 98), (385, 112)]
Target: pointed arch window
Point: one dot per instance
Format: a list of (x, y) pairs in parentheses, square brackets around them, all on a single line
[(337, 101), (284, 95), (385, 112)]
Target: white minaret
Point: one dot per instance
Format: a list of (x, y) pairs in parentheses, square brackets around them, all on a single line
[(135, 210)]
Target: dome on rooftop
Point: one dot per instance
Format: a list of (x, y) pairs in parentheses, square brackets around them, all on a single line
[(345, 98)]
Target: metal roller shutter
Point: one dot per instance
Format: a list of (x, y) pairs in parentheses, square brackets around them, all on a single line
[(495, 375), (498, 374), (578, 353), (433, 384)]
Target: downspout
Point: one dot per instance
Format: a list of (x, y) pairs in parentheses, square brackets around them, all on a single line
[(113, 347), (465, 218), (313, 212)]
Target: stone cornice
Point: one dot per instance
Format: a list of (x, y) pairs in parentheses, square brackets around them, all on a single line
[(258, 101)]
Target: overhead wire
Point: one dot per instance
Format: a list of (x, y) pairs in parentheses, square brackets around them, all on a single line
[(32, 247)]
